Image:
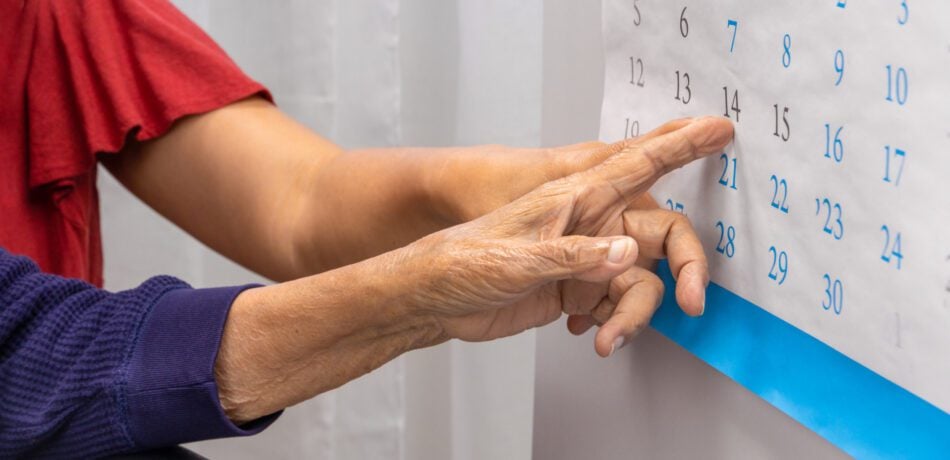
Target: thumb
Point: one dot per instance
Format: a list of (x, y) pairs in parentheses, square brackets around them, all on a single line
[(580, 257)]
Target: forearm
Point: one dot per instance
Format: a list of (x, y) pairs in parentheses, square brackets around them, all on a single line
[(366, 202), (275, 197), (286, 343)]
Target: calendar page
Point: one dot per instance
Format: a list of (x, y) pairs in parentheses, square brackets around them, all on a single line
[(831, 210)]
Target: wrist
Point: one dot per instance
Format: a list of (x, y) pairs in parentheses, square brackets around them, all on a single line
[(286, 343)]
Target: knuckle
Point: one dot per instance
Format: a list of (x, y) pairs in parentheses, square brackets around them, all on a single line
[(690, 143), (677, 219), (568, 253), (603, 311), (654, 161), (655, 286), (620, 285)]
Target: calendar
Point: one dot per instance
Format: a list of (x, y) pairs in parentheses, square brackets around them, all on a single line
[(830, 212)]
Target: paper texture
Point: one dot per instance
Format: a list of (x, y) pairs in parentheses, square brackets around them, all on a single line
[(830, 210)]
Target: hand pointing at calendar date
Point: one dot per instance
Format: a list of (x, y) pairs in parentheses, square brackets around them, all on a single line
[(573, 245)]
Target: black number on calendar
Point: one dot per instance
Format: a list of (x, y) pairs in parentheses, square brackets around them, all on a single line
[(785, 132), (734, 107), (636, 13), (632, 129), (684, 24), (636, 72), (683, 92)]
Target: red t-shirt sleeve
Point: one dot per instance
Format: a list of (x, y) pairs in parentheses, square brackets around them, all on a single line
[(102, 70)]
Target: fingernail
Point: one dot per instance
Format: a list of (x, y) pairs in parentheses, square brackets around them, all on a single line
[(702, 297), (618, 250), (618, 344)]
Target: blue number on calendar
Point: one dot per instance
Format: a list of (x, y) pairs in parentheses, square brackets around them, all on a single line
[(779, 193), (779, 270), (787, 53), (834, 147), (892, 247), (902, 19), (729, 167), (893, 165), (842, 3), (832, 213), (734, 25), (896, 85), (834, 294), (839, 66), (676, 206), (727, 239)]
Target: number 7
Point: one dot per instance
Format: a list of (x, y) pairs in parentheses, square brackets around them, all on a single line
[(735, 28)]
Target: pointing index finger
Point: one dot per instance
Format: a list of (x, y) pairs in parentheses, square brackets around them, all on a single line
[(634, 169)]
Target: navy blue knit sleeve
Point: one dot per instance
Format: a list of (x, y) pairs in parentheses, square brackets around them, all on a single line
[(86, 373)]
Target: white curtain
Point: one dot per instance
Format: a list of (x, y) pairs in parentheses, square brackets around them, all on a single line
[(372, 73)]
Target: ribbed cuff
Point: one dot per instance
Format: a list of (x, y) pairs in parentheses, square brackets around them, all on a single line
[(171, 395)]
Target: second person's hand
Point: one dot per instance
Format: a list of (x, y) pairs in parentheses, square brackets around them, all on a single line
[(567, 247), (571, 245)]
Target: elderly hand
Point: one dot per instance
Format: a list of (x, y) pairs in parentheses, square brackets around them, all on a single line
[(567, 247), (582, 244)]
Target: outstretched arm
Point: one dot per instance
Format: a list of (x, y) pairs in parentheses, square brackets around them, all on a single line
[(272, 195), (492, 277), (85, 372)]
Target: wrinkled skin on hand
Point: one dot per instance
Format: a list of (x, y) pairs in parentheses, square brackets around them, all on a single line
[(582, 245)]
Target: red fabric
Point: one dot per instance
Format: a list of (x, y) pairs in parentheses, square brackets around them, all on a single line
[(77, 78)]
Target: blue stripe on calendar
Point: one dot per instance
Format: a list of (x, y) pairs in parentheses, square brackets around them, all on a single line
[(854, 408)]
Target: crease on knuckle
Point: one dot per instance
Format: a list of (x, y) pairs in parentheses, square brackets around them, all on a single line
[(658, 167), (651, 285), (676, 225), (692, 145)]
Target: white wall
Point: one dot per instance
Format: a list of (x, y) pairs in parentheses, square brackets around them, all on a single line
[(653, 399)]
